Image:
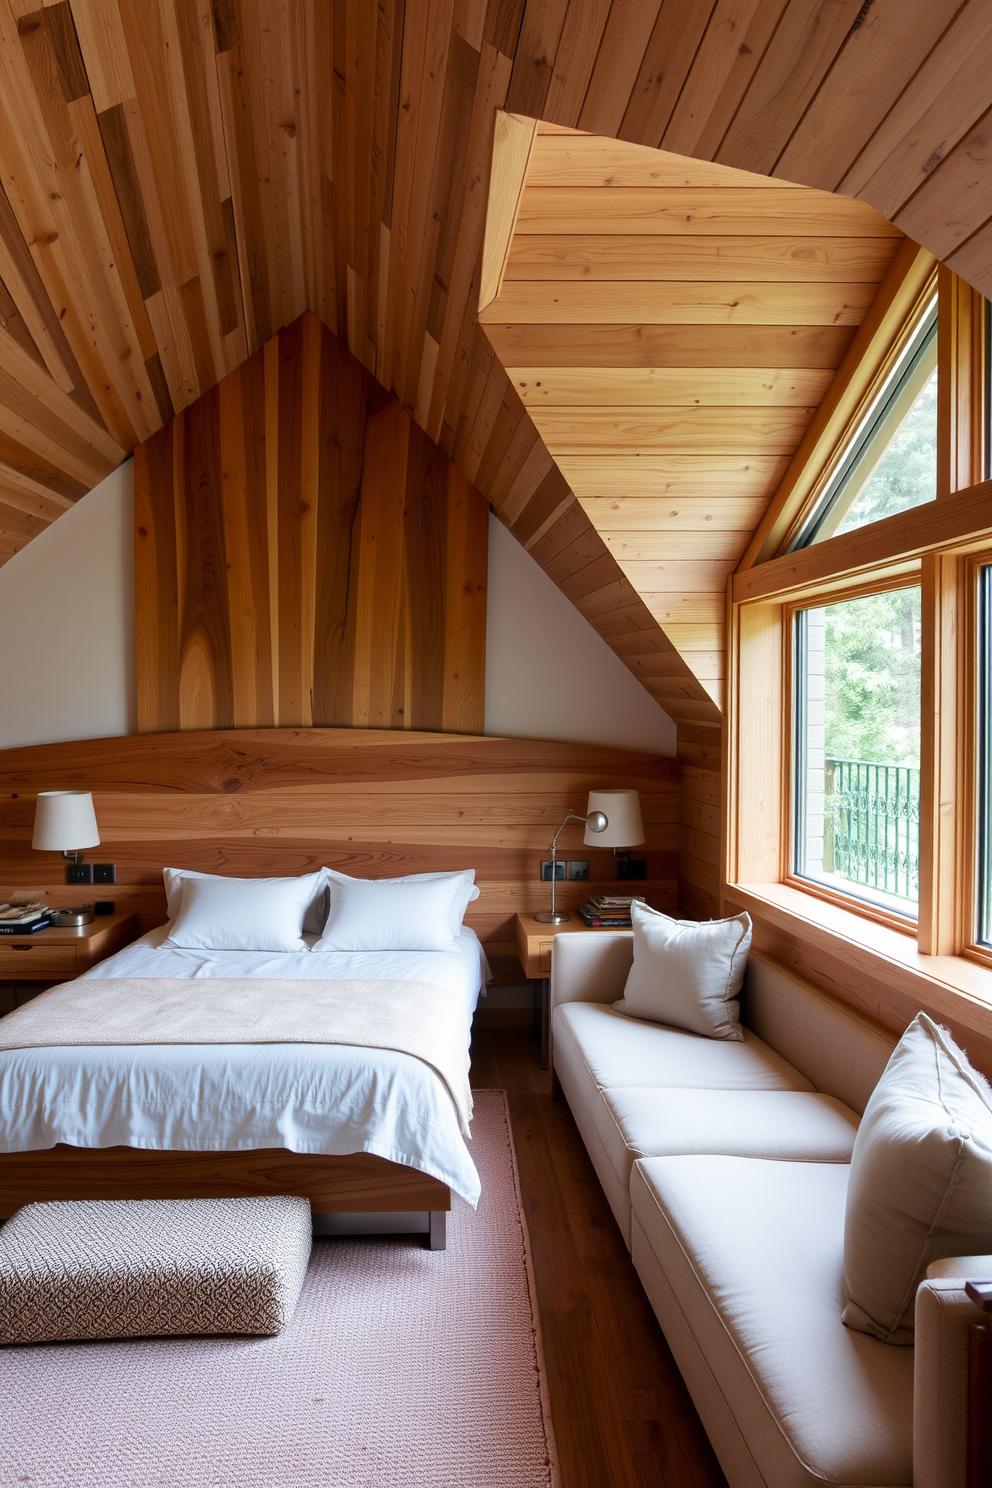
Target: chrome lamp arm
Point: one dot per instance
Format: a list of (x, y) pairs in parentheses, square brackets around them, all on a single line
[(596, 821)]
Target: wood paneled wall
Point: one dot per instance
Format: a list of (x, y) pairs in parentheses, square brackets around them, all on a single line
[(180, 179), (305, 555), (372, 803), (715, 307)]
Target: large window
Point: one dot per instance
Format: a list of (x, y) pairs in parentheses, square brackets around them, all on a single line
[(890, 461), (856, 793), (859, 742)]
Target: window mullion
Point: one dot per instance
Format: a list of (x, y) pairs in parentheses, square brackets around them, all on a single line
[(943, 790)]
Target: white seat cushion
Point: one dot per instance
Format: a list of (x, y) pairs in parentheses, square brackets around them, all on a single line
[(743, 1260), (788, 1125), (621, 1051), (596, 1047)]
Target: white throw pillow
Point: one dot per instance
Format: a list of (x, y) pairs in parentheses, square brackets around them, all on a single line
[(464, 894), (378, 914), (316, 914), (921, 1180), (242, 914), (687, 973)]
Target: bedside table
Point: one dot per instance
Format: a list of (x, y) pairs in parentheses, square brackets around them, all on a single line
[(58, 955), (534, 949)]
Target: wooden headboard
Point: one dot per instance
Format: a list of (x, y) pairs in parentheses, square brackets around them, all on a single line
[(256, 802)]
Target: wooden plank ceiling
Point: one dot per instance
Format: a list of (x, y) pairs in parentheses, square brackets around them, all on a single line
[(671, 327), (181, 178)]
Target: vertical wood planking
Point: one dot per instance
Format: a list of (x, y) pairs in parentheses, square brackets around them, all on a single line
[(306, 556)]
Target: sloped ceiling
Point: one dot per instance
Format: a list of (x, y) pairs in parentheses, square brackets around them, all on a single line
[(181, 178), (671, 327)]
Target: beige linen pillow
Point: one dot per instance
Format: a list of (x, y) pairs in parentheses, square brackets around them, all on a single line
[(921, 1180), (687, 973)]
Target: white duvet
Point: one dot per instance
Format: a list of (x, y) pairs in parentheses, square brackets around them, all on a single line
[(326, 1098)]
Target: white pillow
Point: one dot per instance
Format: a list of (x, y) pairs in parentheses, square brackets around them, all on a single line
[(464, 896), (242, 914), (379, 914), (687, 973), (921, 1180), (316, 909)]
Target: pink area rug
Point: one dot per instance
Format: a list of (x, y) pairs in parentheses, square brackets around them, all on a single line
[(400, 1369)]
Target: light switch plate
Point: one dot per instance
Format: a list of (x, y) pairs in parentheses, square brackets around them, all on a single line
[(546, 872), (104, 873), (579, 870)]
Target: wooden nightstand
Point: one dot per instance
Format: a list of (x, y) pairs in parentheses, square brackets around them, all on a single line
[(534, 949), (53, 955)]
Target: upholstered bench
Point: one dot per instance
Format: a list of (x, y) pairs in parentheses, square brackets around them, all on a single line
[(137, 1268)]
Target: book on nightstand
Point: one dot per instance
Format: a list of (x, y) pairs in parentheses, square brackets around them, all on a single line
[(609, 910), (22, 914), (24, 926)]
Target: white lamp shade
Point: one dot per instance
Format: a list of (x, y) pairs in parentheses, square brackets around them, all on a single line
[(64, 821), (622, 809)]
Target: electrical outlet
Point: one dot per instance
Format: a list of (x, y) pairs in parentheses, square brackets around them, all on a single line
[(579, 870), (546, 872), (104, 873), (77, 873)]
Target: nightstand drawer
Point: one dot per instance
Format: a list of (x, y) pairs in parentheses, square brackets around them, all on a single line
[(33, 958)]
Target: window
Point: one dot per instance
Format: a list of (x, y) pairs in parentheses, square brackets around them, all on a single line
[(856, 777), (984, 824), (859, 740), (891, 459)]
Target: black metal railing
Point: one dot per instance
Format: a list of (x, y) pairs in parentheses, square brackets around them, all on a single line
[(872, 825)]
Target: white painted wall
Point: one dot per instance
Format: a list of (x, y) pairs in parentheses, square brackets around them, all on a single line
[(67, 603), (68, 600), (549, 675)]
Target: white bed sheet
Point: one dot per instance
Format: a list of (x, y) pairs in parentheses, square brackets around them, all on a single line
[(316, 1098)]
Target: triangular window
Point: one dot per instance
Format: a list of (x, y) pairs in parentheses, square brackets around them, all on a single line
[(890, 464)]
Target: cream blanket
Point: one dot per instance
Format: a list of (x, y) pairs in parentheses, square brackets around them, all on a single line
[(418, 1018)]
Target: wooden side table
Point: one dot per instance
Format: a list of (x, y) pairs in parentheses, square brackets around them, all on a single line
[(534, 942), (58, 955)]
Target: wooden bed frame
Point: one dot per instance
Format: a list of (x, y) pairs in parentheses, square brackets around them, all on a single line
[(276, 801), (356, 1184)]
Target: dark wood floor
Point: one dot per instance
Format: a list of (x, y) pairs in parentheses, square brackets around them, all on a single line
[(622, 1415)]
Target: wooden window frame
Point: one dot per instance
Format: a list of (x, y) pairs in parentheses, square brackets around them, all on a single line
[(787, 872), (940, 545), (968, 814)]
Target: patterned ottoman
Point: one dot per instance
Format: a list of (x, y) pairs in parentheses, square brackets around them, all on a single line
[(135, 1268)]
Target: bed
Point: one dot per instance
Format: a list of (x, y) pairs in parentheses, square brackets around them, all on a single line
[(370, 1135)]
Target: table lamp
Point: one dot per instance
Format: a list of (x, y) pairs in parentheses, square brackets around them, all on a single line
[(622, 808), (65, 822), (596, 822)]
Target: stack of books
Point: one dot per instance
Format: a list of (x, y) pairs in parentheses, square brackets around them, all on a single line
[(22, 919), (610, 909)]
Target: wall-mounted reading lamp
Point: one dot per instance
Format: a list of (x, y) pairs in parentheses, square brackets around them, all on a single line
[(65, 822)]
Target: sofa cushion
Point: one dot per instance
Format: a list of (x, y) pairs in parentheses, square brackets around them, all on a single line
[(687, 973), (621, 1051), (743, 1258), (921, 1179), (794, 1126), (790, 1125), (594, 1046)]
